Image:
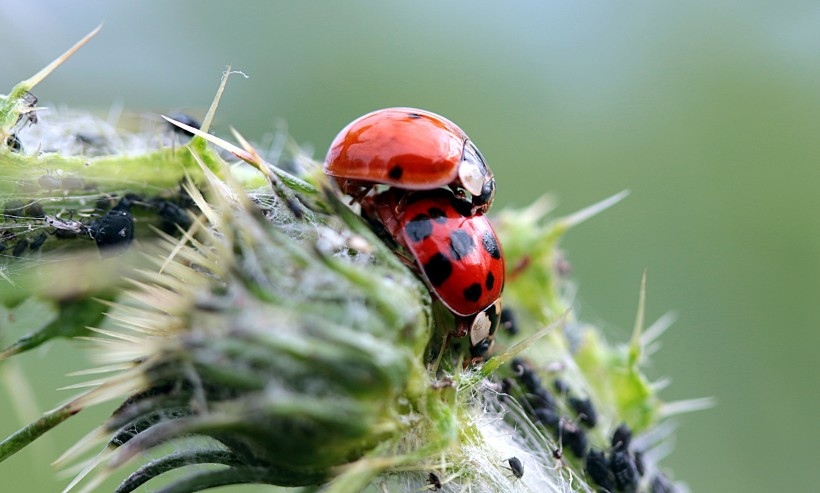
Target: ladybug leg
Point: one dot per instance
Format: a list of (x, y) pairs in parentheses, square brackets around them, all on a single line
[(361, 194), (356, 190), (463, 325), (408, 262)]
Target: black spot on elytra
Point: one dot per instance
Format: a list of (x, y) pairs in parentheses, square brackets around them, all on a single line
[(437, 215), (473, 292), (490, 282), (488, 240), (419, 228), (460, 244), (395, 172), (438, 269), (413, 115)]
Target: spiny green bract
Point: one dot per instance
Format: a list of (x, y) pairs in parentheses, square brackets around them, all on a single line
[(292, 350)]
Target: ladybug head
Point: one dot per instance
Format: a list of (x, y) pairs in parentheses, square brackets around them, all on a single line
[(476, 177), (482, 202), (483, 329)]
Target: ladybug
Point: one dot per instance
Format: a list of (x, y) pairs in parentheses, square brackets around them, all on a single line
[(410, 149), (457, 253)]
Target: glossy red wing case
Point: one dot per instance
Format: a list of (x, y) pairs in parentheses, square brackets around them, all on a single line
[(404, 147), (458, 254)]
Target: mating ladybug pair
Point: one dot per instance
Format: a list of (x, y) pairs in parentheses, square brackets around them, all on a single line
[(453, 246)]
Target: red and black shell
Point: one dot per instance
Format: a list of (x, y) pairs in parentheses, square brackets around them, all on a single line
[(410, 149), (456, 252)]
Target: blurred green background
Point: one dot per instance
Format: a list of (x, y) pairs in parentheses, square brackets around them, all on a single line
[(708, 111)]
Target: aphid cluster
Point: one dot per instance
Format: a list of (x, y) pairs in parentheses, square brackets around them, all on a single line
[(542, 407), (16, 237), (428, 166), (618, 468), (622, 469), (27, 226), (111, 224)]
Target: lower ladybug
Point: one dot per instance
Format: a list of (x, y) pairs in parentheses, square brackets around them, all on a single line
[(456, 252)]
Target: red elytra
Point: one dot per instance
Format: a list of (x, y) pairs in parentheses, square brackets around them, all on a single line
[(410, 149), (456, 252)]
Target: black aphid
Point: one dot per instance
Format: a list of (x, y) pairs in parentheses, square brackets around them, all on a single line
[(597, 466), (516, 467), (621, 437), (508, 321), (574, 437), (114, 232), (434, 481), (624, 470), (585, 411), (187, 120)]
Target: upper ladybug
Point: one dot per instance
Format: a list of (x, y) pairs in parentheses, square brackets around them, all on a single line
[(410, 149)]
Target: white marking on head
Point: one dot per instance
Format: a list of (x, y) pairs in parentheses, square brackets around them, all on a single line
[(473, 171), (471, 178), (480, 328)]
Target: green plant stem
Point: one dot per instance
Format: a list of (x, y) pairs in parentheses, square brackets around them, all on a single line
[(33, 431)]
